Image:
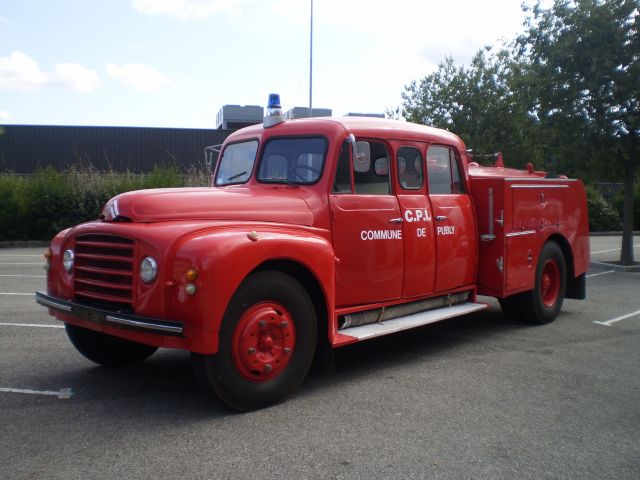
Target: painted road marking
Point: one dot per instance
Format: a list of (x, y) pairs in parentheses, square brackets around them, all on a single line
[(8, 293), (62, 394), (29, 325), (40, 263), (25, 276), (608, 323), (601, 273), (18, 255), (613, 249)]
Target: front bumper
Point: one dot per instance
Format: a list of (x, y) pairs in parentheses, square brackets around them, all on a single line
[(110, 318)]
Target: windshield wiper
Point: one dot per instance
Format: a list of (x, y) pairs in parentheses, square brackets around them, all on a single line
[(232, 177)]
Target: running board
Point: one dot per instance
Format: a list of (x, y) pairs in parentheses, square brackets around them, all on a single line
[(373, 330)]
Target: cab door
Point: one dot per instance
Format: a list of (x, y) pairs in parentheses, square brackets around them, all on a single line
[(367, 227), (417, 215), (454, 223)]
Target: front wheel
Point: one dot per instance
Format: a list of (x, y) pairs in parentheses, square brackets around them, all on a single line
[(105, 349), (266, 344), (543, 303)]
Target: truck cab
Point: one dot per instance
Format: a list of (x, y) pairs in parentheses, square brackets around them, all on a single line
[(315, 234)]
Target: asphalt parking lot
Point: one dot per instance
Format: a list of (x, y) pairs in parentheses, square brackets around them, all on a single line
[(476, 397)]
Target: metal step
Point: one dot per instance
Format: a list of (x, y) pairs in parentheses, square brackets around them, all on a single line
[(373, 330)]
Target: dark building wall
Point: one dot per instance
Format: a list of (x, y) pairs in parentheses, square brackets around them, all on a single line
[(23, 148)]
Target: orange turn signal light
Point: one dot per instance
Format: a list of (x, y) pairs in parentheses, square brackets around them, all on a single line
[(48, 254), (191, 274)]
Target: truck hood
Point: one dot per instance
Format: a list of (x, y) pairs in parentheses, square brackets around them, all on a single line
[(271, 204)]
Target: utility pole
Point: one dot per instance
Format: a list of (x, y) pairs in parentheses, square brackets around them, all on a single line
[(311, 64)]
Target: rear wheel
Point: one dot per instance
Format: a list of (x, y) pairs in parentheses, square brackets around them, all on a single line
[(543, 303), (266, 344), (105, 349)]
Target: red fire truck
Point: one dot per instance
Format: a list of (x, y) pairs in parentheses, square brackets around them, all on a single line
[(315, 233)]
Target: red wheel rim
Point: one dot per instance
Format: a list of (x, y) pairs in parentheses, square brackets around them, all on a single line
[(550, 283), (263, 341)]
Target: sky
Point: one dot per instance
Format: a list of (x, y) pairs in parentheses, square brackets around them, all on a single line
[(175, 63)]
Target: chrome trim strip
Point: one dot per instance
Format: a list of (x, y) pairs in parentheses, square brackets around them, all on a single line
[(539, 186), (146, 325), (540, 179), (52, 304), (100, 316), (517, 234)]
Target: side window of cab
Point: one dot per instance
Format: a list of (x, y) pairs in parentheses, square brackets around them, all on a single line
[(410, 170), (370, 169), (443, 169)]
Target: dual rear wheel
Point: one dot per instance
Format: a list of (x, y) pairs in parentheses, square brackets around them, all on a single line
[(543, 303)]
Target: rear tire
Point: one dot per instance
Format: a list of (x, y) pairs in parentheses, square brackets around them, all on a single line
[(266, 345), (106, 349), (542, 304)]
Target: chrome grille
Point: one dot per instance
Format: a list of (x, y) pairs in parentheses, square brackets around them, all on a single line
[(104, 271)]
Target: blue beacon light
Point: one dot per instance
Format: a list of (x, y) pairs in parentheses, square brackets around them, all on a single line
[(274, 111)]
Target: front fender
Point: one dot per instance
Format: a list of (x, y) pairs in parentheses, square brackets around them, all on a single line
[(225, 257)]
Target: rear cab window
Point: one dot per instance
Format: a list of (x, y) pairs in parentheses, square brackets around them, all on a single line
[(443, 168)]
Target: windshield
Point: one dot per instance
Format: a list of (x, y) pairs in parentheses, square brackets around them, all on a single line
[(293, 160), (237, 162)]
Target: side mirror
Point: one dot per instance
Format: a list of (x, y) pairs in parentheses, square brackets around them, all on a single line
[(211, 156), (362, 159)]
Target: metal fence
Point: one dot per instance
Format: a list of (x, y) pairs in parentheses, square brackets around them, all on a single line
[(23, 148)]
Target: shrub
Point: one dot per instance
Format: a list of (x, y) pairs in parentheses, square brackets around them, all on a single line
[(37, 206), (602, 216)]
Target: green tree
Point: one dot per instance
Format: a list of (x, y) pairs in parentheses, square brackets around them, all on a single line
[(583, 58), (480, 104)]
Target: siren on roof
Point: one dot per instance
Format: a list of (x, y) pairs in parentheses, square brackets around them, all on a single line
[(274, 111)]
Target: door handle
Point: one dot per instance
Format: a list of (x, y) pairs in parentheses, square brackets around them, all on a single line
[(396, 220), (440, 218)]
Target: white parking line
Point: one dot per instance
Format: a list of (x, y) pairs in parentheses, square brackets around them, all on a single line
[(22, 263), (18, 255), (25, 276), (62, 394), (608, 323), (9, 293), (613, 249), (30, 325), (601, 273)]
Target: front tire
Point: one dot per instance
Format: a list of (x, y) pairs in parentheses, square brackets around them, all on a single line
[(266, 345), (542, 304), (107, 350)]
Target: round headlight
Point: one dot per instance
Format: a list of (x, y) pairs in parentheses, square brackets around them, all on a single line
[(148, 269), (67, 260)]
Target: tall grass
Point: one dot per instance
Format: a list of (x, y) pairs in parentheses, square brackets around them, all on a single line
[(37, 206)]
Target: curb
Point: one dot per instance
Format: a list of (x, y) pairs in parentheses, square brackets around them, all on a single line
[(616, 267), (611, 233)]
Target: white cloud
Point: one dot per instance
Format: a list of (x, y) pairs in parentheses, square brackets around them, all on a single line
[(139, 76), (186, 9), (5, 116), (21, 73), (455, 27), (77, 77)]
